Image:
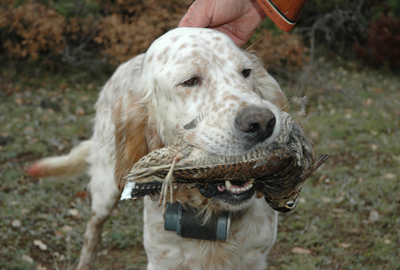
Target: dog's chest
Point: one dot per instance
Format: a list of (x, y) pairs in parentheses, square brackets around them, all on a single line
[(252, 235)]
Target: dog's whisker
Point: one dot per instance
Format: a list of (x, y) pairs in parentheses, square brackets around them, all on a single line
[(101, 146), (255, 42)]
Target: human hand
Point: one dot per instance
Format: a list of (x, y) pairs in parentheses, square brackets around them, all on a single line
[(236, 18)]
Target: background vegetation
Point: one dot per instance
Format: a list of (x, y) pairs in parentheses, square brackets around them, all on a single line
[(344, 55)]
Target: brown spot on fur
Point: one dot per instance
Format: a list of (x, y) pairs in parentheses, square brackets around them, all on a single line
[(163, 56), (174, 39), (243, 104), (183, 45), (195, 55), (190, 137), (231, 97), (163, 254), (217, 38), (220, 49), (221, 114), (227, 81)]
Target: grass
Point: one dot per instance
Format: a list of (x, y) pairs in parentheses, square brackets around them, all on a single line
[(348, 216)]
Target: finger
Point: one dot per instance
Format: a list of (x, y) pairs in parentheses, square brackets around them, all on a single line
[(199, 14), (185, 19)]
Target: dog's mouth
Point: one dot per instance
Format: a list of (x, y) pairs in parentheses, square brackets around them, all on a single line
[(231, 192)]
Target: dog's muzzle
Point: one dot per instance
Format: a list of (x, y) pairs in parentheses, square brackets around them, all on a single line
[(189, 223)]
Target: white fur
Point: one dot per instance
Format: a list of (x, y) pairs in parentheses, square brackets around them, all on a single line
[(214, 102)]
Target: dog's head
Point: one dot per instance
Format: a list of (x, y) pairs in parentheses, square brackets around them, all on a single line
[(196, 85)]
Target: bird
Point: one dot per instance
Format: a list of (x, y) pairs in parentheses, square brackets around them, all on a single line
[(277, 170)]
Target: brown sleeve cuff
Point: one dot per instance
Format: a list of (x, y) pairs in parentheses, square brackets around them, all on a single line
[(283, 13)]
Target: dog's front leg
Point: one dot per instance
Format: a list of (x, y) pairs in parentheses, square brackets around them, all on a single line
[(104, 195)]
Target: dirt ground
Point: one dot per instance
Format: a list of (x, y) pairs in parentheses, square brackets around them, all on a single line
[(348, 216)]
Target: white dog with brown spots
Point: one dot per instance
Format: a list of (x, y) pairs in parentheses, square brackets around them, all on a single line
[(196, 85)]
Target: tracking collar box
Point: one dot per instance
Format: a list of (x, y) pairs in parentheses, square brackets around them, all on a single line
[(189, 223)]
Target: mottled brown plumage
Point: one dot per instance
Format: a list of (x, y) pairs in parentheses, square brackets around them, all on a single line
[(278, 170)]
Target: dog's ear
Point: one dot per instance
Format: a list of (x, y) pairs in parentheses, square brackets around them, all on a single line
[(135, 137), (266, 86)]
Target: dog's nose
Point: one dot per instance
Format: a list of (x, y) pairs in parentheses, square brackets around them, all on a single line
[(256, 124)]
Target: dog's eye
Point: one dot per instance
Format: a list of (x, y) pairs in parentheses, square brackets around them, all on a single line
[(191, 82), (246, 72)]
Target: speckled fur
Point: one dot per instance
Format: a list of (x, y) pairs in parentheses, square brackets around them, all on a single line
[(151, 108)]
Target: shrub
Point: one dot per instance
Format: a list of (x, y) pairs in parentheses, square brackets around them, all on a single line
[(132, 27), (81, 32), (31, 29), (383, 43), (281, 52)]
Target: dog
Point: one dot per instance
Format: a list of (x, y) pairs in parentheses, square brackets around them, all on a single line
[(193, 85)]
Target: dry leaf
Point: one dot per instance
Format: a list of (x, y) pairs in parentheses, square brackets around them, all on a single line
[(367, 102), (66, 228), (25, 211), (377, 89), (340, 198), (344, 245), (19, 101), (59, 233), (79, 111), (389, 176), (299, 250), (326, 199), (373, 147), (85, 98)]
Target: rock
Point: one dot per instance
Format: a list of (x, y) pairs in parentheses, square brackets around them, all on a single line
[(373, 216), (16, 223), (27, 258), (40, 244)]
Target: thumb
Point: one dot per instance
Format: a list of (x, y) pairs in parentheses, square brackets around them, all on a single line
[(198, 15)]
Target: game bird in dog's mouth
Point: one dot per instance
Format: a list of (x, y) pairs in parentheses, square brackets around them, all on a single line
[(276, 171)]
